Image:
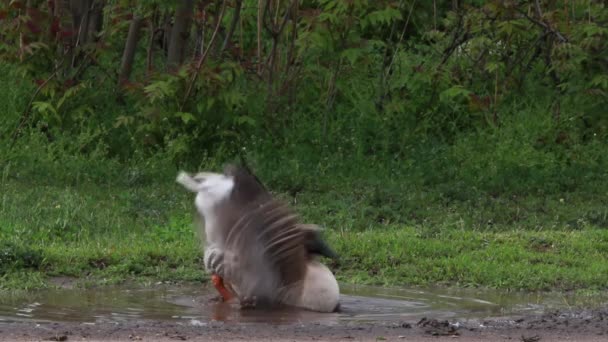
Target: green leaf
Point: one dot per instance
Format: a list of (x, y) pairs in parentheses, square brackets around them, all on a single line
[(186, 117), (328, 17), (352, 55), (158, 90), (70, 93), (599, 81), (381, 17), (244, 119), (123, 120), (46, 109), (454, 93), (493, 66)]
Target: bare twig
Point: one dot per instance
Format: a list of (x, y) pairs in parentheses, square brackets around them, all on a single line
[(150, 48), (456, 42), (537, 8), (292, 45), (126, 64), (26, 112), (241, 39), (81, 26), (259, 32), (201, 61), (544, 25), (276, 33), (435, 14), (407, 21), (235, 20)]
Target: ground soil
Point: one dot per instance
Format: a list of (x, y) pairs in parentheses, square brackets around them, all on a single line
[(579, 325)]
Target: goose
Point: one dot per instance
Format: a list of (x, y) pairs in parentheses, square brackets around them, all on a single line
[(256, 249)]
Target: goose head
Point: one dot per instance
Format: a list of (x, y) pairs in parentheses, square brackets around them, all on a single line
[(211, 188)]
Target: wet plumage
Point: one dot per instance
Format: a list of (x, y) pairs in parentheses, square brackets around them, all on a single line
[(257, 244)]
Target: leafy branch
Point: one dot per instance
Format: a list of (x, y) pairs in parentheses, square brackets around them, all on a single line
[(203, 58)]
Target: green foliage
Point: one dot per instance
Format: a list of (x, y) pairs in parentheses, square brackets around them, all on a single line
[(14, 256), (386, 74)]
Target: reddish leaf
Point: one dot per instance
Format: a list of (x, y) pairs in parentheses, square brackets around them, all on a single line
[(18, 5), (199, 15), (3, 14), (121, 18), (101, 45), (55, 26), (35, 14), (39, 82), (308, 13), (51, 4), (69, 83), (477, 102), (67, 33), (33, 27)]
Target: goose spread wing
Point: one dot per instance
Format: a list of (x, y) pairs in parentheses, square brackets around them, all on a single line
[(265, 252)]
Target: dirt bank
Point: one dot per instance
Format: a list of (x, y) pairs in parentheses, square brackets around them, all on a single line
[(580, 325)]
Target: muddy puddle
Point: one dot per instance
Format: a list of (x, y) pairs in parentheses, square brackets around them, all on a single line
[(195, 305)]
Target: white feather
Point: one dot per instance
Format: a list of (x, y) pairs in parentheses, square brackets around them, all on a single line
[(211, 188), (320, 290)]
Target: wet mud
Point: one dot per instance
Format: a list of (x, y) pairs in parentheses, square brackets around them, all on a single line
[(178, 312)]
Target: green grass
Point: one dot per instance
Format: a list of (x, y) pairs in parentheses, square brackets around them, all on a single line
[(531, 260), (110, 222)]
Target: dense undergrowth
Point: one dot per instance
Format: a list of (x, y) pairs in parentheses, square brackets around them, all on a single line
[(468, 154)]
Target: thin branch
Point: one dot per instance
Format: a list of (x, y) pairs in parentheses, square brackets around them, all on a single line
[(285, 18), (435, 15), (241, 39), (82, 34), (276, 33), (456, 42), (292, 44), (259, 33), (204, 56), (235, 20), (265, 13), (539, 12), (547, 27), (150, 48), (26, 112), (407, 21)]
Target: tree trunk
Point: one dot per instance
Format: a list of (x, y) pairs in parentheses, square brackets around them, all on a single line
[(65, 43), (259, 34), (454, 5), (80, 20), (95, 20), (166, 38), (22, 39), (180, 34), (152, 23), (199, 44), (128, 54)]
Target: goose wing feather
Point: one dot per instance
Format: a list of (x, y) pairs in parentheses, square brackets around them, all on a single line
[(265, 251)]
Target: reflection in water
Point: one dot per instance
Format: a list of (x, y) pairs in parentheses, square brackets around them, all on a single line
[(196, 305)]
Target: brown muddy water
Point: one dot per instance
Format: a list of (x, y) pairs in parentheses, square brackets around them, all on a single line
[(195, 305)]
